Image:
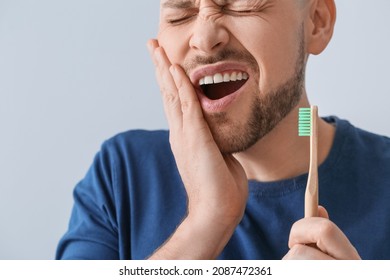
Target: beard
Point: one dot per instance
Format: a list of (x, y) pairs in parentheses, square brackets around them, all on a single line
[(265, 114), (267, 109)]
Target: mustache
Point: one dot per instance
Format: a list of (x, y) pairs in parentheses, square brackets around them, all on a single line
[(223, 55)]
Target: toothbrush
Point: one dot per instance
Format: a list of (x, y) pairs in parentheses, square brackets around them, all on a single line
[(307, 126)]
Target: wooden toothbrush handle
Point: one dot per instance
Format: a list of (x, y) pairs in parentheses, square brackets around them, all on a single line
[(311, 194)]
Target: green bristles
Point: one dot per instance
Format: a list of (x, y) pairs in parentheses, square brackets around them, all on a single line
[(304, 122)]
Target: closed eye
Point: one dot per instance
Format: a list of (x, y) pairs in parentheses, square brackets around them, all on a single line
[(176, 21), (236, 12)]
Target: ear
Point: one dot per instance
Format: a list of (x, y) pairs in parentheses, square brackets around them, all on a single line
[(320, 25)]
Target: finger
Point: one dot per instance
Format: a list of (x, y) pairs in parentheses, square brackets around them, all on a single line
[(169, 92), (152, 44), (322, 212), (325, 235), (194, 122), (190, 105), (303, 252)]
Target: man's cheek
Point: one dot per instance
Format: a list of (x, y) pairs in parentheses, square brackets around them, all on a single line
[(175, 47)]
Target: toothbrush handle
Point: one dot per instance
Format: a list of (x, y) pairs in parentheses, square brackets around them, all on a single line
[(311, 195)]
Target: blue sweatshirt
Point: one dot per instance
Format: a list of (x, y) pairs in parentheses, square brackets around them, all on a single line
[(132, 199)]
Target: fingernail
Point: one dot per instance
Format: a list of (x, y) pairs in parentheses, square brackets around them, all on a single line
[(149, 46), (152, 48), (173, 70)]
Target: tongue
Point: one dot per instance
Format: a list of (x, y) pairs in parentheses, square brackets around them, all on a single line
[(218, 91)]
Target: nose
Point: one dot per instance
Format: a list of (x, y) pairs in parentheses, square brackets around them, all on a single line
[(208, 35)]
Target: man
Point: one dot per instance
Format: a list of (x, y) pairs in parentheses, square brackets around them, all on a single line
[(228, 179)]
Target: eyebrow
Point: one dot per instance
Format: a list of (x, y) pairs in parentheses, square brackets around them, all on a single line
[(178, 4)]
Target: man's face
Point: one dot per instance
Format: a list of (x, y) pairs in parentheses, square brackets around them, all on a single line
[(245, 58)]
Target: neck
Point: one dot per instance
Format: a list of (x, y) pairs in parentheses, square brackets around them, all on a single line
[(282, 154)]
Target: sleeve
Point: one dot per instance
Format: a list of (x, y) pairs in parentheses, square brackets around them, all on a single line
[(93, 233)]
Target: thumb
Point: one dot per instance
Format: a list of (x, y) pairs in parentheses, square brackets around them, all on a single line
[(322, 212)]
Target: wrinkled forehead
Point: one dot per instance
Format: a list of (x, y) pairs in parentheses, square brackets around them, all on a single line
[(193, 3), (188, 4)]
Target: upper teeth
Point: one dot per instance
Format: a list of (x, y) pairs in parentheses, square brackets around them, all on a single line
[(221, 78)]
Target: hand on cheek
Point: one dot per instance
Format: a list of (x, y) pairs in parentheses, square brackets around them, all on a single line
[(318, 238), (206, 173), (216, 184)]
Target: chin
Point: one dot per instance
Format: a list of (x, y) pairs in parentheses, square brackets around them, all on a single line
[(231, 137)]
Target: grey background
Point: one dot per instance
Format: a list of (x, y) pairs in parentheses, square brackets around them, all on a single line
[(74, 73)]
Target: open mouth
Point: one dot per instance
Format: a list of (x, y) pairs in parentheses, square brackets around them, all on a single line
[(222, 84)]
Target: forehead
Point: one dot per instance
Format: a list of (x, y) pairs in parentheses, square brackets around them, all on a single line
[(177, 3), (192, 3)]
